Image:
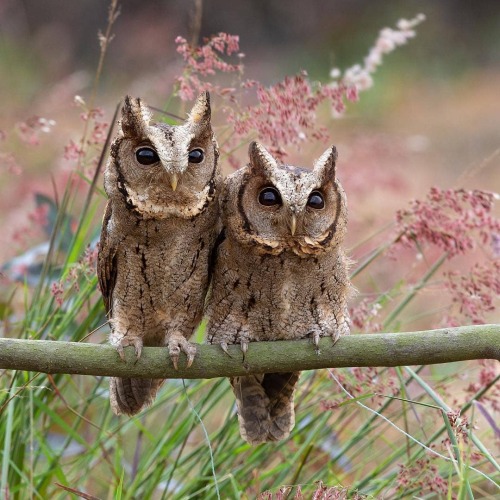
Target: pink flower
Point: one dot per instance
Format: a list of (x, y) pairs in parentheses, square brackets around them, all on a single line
[(205, 60), (92, 114), (99, 133), (364, 316), (452, 219), (9, 161), (29, 131), (459, 424), (286, 112), (475, 293), (360, 76), (423, 475), (72, 151), (57, 290), (488, 373)]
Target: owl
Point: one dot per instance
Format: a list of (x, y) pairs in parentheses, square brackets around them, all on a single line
[(159, 228), (280, 273)]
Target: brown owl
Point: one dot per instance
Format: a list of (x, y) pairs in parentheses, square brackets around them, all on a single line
[(280, 274), (159, 228)]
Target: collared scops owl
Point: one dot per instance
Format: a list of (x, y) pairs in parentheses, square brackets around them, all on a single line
[(280, 274), (159, 228)]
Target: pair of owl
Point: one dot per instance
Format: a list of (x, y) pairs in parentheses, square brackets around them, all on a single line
[(259, 254)]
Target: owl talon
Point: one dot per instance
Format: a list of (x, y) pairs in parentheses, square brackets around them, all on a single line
[(244, 348), (175, 360), (177, 343), (190, 359), (315, 336), (121, 352), (224, 347), (315, 339), (138, 350), (342, 330), (336, 336)]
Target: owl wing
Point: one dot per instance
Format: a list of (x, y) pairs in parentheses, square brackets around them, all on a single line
[(106, 262), (212, 259)]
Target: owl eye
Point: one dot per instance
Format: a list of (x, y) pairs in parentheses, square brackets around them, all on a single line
[(196, 155), (269, 197), (147, 156), (316, 200)]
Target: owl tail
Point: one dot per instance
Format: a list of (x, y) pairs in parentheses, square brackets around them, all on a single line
[(130, 395), (265, 405)]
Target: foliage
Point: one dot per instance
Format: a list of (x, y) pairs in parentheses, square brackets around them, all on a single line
[(374, 432)]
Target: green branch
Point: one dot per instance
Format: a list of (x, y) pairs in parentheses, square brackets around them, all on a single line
[(378, 349)]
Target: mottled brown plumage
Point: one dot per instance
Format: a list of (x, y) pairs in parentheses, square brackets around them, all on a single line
[(280, 274), (160, 225)]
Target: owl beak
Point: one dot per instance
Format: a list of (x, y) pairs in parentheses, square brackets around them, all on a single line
[(174, 179), (293, 224)]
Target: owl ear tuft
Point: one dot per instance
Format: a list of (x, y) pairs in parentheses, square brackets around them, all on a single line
[(260, 158), (135, 117), (325, 165), (201, 112)]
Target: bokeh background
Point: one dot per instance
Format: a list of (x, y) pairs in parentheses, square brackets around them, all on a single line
[(432, 117)]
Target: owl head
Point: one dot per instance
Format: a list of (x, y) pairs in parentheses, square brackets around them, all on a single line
[(275, 207), (160, 170)]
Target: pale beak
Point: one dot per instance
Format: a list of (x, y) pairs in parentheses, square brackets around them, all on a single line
[(293, 224), (174, 179)]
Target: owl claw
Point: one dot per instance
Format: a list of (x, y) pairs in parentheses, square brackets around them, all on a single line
[(244, 348), (224, 347), (177, 343), (316, 341), (336, 336), (315, 336), (175, 360), (342, 330), (121, 352), (190, 358)]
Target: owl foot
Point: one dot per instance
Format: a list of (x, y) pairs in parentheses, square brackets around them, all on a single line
[(125, 342), (177, 343)]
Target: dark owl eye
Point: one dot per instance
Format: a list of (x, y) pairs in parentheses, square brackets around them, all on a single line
[(146, 156), (316, 200), (269, 197), (196, 156)]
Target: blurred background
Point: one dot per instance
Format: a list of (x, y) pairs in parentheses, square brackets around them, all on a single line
[(432, 117)]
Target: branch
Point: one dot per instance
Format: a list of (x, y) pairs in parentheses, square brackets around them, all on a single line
[(377, 349)]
